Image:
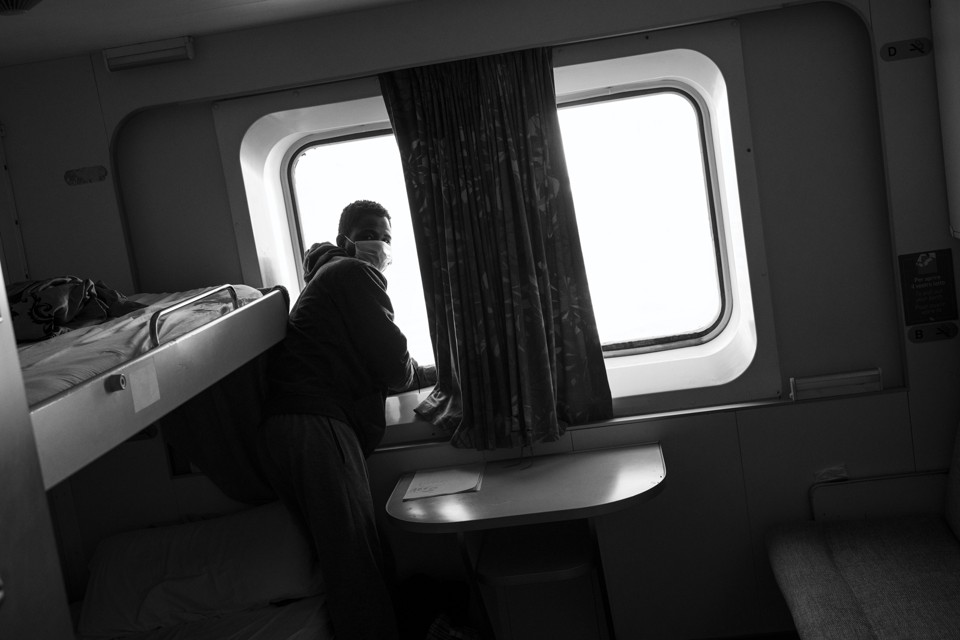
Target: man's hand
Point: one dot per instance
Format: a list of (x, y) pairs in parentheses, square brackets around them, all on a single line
[(427, 375)]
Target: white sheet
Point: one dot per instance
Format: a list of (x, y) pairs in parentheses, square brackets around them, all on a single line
[(301, 620), (54, 365)]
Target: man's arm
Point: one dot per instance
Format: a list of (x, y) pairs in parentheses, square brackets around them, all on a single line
[(369, 316), (423, 376)]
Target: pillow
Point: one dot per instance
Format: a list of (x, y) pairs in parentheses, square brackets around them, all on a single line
[(160, 577)]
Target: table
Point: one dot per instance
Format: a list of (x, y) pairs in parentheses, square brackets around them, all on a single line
[(537, 490)]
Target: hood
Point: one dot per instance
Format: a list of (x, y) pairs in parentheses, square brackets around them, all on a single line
[(317, 256)]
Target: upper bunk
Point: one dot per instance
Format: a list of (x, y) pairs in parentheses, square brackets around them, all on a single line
[(91, 388)]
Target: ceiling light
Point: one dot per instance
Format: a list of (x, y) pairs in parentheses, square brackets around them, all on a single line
[(16, 7), (140, 55)]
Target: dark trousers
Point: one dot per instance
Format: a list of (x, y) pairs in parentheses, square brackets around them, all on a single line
[(316, 466)]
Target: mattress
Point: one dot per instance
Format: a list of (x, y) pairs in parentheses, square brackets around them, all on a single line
[(248, 575), (304, 619), (57, 364)]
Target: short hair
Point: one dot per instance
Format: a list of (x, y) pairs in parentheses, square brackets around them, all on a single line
[(352, 213)]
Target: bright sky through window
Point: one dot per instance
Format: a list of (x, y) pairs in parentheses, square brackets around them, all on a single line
[(327, 177), (643, 212), (638, 178)]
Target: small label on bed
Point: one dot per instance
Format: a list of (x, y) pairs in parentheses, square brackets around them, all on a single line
[(144, 385)]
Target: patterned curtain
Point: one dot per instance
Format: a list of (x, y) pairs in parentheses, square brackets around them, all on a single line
[(518, 355)]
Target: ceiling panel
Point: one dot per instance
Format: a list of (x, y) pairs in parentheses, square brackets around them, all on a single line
[(61, 28)]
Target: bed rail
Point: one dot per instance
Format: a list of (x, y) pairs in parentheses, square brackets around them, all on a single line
[(155, 319)]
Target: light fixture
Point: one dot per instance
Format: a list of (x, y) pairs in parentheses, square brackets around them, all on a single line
[(836, 384), (16, 7), (147, 53)]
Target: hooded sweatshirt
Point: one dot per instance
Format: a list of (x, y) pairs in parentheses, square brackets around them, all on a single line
[(342, 352)]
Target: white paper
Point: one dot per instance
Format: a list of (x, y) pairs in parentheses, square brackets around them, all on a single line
[(440, 482), (144, 386)]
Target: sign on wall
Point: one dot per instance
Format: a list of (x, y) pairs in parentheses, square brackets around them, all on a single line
[(929, 294)]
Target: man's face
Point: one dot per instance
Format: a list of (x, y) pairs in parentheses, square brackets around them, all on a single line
[(369, 227)]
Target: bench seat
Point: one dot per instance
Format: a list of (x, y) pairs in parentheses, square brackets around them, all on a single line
[(877, 577), (893, 579)]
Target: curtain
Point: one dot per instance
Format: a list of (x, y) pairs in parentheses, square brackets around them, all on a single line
[(513, 329)]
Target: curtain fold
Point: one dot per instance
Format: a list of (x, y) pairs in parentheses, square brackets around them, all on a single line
[(514, 334)]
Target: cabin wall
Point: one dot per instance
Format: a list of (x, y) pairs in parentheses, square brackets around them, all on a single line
[(816, 140), (178, 218), (847, 154), (53, 123)]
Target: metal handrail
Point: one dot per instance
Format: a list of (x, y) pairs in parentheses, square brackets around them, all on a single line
[(155, 319)]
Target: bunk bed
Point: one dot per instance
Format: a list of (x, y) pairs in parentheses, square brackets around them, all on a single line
[(93, 387), (100, 377)]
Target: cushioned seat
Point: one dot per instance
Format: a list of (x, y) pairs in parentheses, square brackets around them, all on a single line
[(874, 579)]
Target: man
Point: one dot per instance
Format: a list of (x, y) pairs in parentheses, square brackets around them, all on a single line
[(325, 413)]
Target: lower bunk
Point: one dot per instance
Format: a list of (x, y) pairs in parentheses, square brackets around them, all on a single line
[(245, 576), (160, 542), (164, 529)]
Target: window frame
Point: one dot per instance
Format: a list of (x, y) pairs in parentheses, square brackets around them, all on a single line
[(610, 350), (741, 362)]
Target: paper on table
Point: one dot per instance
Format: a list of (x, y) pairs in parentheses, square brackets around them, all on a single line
[(440, 482)]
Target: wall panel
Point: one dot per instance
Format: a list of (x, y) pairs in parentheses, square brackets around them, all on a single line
[(679, 566), (173, 192), (785, 449), (917, 196), (822, 190), (53, 121)]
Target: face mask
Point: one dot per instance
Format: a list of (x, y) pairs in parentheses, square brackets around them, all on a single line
[(374, 252)]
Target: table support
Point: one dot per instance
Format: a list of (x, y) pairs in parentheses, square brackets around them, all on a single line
[(554, 488), (601, 579), (486, 628)]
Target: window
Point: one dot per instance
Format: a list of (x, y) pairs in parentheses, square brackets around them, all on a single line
[(642, 179), (643, 206), (715, 343), (721, 340), (645, 215), (329, 175)]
